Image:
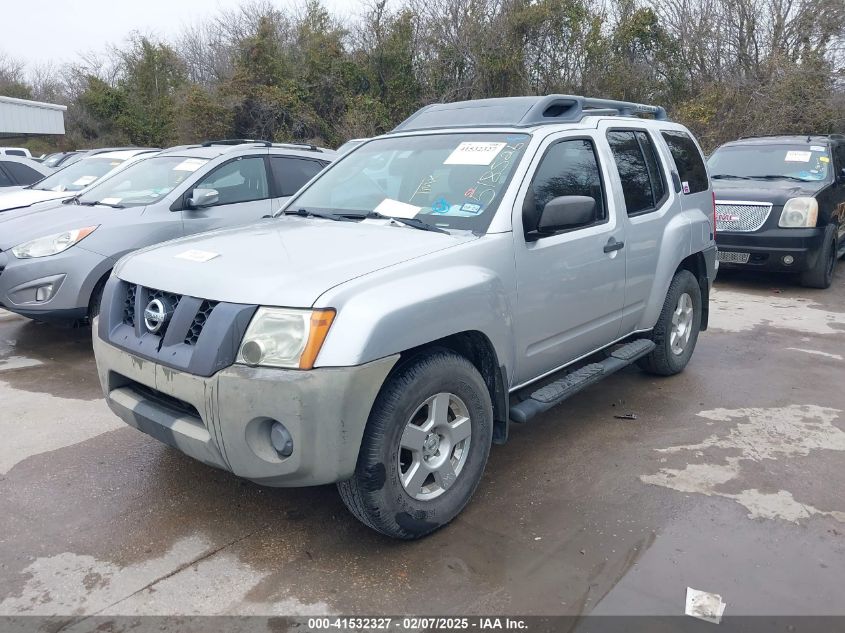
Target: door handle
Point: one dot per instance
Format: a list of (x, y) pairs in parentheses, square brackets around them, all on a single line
[(613, 245)]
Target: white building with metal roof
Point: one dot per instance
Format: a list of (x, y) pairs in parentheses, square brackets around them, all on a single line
[(19, 117)]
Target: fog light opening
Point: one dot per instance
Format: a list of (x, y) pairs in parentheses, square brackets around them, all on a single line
[(788, 260), (43, 293), (281, 439)]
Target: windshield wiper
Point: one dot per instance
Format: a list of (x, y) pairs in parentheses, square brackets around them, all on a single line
[(730, 176), (71, 200), (778, 177), (306, 213), (412, 222), (99, 202)]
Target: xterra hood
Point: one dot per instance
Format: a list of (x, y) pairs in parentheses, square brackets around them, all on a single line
[(22, 198), (776, 192), (286, 262)]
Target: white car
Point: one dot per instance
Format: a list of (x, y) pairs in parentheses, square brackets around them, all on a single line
[(21, 152), (72, 179)]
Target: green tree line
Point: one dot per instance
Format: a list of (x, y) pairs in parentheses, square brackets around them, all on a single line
[(726, 68)]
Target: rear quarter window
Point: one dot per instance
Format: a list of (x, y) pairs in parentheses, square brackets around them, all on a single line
[(688, 160), (22, 174)]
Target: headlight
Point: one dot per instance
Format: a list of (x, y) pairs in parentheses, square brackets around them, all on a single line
[(51, 244), (283, 337), (799, 212)]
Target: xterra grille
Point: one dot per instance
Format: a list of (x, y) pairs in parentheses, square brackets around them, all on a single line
[(129, 305), (741, 217), (199, 321)]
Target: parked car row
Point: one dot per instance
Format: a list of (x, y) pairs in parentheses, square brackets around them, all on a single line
[(123, 200)]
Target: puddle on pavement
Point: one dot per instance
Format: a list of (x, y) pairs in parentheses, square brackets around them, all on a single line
[(733, 311)]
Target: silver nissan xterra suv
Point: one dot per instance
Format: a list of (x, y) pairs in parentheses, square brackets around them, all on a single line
[(476, 266)]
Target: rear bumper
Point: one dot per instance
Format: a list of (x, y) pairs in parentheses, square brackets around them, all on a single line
[(224, 420), (767, 248)]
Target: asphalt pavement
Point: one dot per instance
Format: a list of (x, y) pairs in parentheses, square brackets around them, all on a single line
[(727, 478)]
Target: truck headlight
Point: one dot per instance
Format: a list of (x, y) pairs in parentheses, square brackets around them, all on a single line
[(284, 337), (799, 213), (51, 244)]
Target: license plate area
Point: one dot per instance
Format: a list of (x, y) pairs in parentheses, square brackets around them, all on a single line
[(731, 257)]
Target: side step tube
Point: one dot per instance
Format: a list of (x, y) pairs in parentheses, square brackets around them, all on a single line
[(556, 392)]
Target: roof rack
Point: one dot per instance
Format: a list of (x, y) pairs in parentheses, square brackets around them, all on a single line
[(523, 112), (306, 146), (236, 141)]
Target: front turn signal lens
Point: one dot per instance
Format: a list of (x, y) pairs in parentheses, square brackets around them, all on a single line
[(321, 321)]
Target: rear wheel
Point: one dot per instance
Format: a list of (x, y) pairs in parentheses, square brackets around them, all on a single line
[(821, 274), (676, 331), (424, 449)]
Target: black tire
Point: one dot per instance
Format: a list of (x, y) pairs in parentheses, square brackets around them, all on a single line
[(663, 361), (821, 274), (375, 494), (96, 299)]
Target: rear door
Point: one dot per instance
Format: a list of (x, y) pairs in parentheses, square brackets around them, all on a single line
[(243, 189), (289, 174), (646, 201)]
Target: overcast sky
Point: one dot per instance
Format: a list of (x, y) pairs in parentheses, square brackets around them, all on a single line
[(38, 31)]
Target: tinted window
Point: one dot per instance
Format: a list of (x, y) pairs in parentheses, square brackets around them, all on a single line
[(241, 180), (633, 171), (290, 174), (5, 181), (569, 168), (15, 152), (688, 161), (23, 174), (655, 169)]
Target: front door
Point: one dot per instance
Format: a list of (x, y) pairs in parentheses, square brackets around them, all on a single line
[(571, 285)]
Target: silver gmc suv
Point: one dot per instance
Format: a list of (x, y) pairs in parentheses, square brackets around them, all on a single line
[(475, 267)]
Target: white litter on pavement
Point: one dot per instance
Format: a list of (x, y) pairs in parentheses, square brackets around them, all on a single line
[(705, 606)]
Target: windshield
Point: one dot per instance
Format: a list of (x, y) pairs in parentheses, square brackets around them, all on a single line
[(79, 175), (807, 163), (447, 180), (145, 182)]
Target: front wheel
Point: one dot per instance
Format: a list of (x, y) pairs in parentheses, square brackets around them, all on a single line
[(676, 331), (821, 274), (424, 449)]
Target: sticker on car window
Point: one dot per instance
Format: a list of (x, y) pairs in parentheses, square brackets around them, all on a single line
[(111, 200), (471, 208), (397, 209), (685, 187), (796, 156), (816, 148), (474, 153), (824, 159), (85, 180), (194, 255), (189, 164)]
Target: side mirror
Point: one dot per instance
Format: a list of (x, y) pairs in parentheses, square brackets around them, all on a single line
[(202, 198), (566, 212)]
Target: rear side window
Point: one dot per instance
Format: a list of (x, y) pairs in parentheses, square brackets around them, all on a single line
[(642, 182), (15, 152), (688, 161), (290, 174), (5, 181), (23, 174)]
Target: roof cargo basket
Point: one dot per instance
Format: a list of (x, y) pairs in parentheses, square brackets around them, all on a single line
[(523, 112)]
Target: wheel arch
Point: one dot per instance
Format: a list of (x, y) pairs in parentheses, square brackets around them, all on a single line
[(477, 348), (697, 265)]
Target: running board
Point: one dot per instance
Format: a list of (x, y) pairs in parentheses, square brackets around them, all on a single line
[(556, 392)]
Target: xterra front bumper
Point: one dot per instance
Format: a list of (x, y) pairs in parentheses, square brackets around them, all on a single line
[(224, 420)]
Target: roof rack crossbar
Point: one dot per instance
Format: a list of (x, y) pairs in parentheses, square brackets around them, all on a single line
[(236, 141), (523, 112)]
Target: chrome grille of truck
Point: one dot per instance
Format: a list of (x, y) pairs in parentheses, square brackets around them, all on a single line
[(741, 217)]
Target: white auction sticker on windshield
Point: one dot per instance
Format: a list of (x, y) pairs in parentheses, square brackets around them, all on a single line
[(194, 255), (816, 148), (397, 209), (796, 156), (110, 200), (189, 164), (85, 180), (474, 153)]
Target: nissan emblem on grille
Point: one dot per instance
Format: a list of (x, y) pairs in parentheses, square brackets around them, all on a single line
[(156, 315)]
